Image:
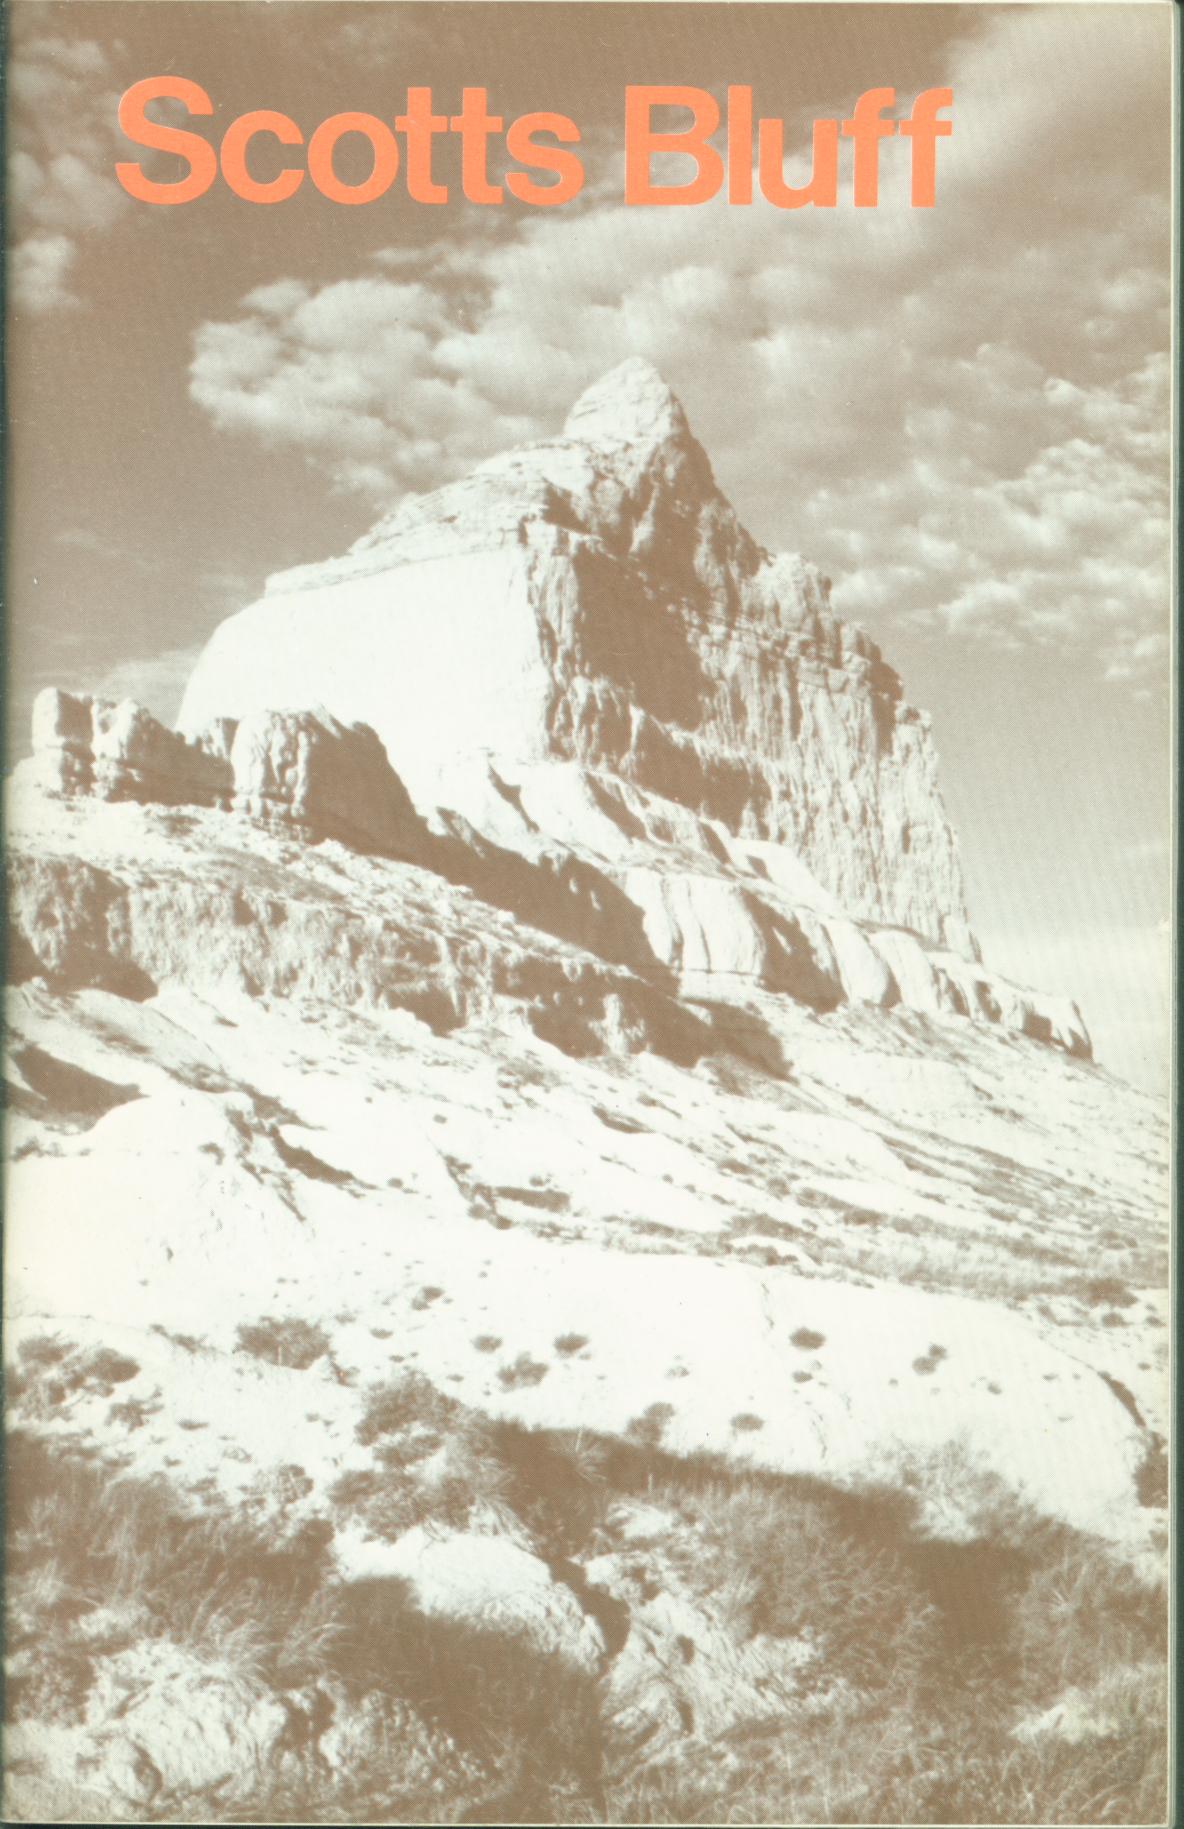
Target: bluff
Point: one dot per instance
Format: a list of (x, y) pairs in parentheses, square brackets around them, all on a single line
[(560, 1283), (573, 684), (586, 619)]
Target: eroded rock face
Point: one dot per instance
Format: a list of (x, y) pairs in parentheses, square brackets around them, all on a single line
[(118, 751), (593, 600), (293, 767), (596, 962)]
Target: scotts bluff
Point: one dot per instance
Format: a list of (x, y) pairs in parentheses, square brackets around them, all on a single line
[(262, 156)]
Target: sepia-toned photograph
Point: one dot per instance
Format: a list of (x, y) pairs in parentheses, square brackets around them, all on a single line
[(588, 849)]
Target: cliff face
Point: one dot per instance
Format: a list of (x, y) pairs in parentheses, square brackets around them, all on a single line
[(658, 903), (592, 601)]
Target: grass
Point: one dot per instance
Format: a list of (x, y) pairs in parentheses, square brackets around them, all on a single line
[(274, 1616), (800, 1572), (921, 1659), (410, 1401), (650, 1427), (954, 1765), (434, 1462), (1151, 1480), (932, 1655), (79, 1536), (1100, 1292)]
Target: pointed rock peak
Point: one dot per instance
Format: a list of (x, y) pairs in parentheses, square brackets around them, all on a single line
[(631, 404)]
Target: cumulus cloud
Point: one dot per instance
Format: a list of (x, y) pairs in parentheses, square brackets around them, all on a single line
[(351, 372), (38, 273), (961, 413), (61, 181)]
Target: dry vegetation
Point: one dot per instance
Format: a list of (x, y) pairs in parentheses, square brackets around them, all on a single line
[(928, 1656)]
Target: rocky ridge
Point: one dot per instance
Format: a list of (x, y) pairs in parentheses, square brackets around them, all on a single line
[(686, 913)]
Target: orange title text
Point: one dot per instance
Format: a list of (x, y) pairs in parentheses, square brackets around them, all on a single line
[(352, 158)]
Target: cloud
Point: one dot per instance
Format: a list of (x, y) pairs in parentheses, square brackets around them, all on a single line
[(1056, 524), (100, 546), (349, 372), (61, 177), (961, 413), (38, 271)]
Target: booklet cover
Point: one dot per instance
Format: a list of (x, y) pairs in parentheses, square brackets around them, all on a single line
[(588, 1220)]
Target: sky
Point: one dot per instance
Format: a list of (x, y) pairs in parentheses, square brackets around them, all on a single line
[(961, 413)]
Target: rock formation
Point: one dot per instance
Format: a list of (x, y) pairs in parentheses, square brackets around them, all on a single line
[(297, 768), (84, 745), (627, 717), (332, 780), (672, 916), (593, 600)]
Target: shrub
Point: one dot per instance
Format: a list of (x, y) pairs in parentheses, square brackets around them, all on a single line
[(524, 1371), (436, 1460), (649, 1428), (1106, 1292), (927, 1656), (557, 1483), (1079, 1614), (275, 1616), (929, 1362), (290, 1342), (807, 1340), (50, 1372), (133, 1413), (403, 1403), (43, 1349), (1151, 1480)]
